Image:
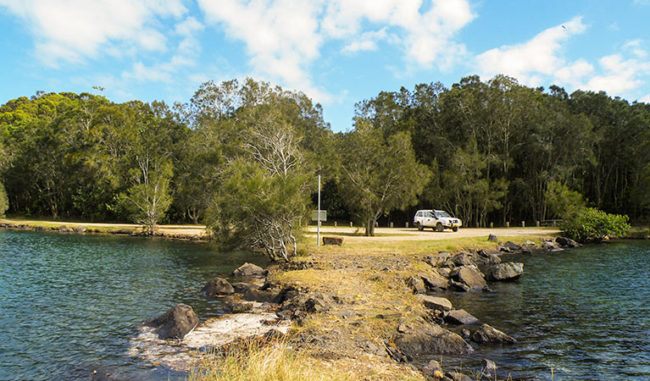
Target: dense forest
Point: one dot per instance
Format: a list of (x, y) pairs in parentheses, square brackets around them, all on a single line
[(493, 151)]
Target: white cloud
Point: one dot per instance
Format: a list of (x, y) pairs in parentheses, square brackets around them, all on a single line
[(71, 30), (542, 60), (645, 99), (283, 38), (366, 42), (542, 55), (619, 75)]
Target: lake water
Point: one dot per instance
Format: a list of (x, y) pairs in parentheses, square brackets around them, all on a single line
[(68, 303), (580, 314)]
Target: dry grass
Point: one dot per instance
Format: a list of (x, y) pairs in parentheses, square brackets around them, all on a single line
[(279, 362)]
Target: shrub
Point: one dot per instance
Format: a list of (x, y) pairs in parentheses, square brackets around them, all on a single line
[(590, 224), (4, 201)]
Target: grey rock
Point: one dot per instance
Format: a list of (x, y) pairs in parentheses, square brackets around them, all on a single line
[(487, 334), (177, 322), (333, 241), (241, 287), (489, 368), (431, 339), (550, 245), (512, 246), (444, 271), (508, 271), (457, 376), (435, 281), (440, 259), (433, 369), (567, 242), (262, 296), (416, 284), (435, 302), (461, 317), (470, 276), (217, 286), (249, 270), (463, 259), (492, 238)]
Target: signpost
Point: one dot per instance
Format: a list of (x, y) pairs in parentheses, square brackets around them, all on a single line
[(318, 215)]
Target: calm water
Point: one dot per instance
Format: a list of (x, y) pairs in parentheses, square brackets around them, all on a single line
[(68, 303), (583, 314)]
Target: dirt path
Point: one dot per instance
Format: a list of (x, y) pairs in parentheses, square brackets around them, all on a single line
[(412, 234)]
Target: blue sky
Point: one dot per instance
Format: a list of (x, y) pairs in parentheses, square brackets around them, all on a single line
[(337, 52)]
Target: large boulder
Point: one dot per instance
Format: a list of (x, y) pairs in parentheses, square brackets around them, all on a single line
[(177, 322), (489, 335), (430, 339), (441, 259), (217, 286), (504, 271), (249, 270), (435, 302), (470, 276), (566, 242), (433, 370), (463, 259), (461, 317)]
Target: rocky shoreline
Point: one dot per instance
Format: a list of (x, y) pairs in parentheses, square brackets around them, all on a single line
[(261, 307)]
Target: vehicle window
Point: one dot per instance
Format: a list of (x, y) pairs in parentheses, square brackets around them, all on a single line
[(442, 214), (428, 215)]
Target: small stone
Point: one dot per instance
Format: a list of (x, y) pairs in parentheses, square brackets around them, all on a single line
[(433, 369), (492, 238), (457, 376), (416, 284), (489, 368)]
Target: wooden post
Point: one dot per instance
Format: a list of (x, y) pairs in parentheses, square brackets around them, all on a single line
[(335, 223), (407, 224), (491, 225), (507, 224), (350, 223), (523, 224), (391, 224), (537, 223)]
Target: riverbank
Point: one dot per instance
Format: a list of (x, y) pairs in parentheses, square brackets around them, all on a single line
[(177, 232)]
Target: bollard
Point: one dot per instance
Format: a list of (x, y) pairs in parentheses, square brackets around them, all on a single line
[(523, 224), (391, 224), (334, 223), (537, 223), (407, 224), (350, 223), (491, 225), (507, 224)]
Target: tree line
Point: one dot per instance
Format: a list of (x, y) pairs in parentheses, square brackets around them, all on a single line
[(242, 157)]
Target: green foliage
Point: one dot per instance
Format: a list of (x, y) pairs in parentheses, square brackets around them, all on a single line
[(148, 198), (379, 174), (4, 201), (563, 202), (590, 224)]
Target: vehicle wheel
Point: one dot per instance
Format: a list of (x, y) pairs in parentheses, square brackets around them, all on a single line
[(420, 227), (439, 227), (455, 228)]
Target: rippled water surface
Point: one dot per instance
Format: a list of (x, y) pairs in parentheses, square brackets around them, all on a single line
[(68, 303), (581, 314)]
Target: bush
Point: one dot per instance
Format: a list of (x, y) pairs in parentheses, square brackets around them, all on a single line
[(590, 224), (4, 201)]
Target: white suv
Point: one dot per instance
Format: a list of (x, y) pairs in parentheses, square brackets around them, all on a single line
[(436, 219)]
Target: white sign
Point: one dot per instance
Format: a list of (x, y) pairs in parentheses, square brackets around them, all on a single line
[(316, 216)]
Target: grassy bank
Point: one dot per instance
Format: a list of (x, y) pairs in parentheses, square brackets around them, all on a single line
[(366, 283)]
